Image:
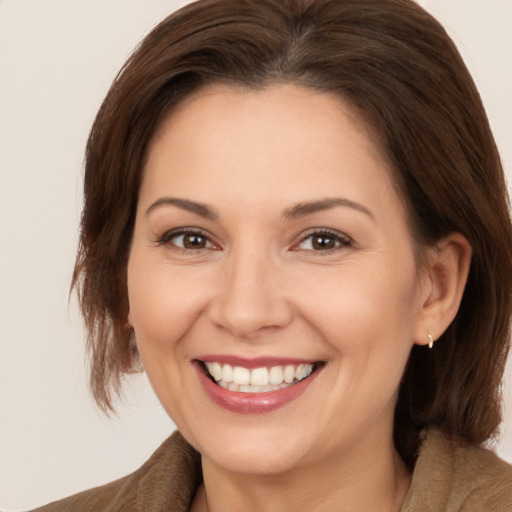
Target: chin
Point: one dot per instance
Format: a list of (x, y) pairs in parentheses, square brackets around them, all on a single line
[(255, 456), (256, 450)]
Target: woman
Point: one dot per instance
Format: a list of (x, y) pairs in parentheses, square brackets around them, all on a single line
[(296, 221)]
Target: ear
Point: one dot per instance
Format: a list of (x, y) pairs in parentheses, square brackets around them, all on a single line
[(444, 278)]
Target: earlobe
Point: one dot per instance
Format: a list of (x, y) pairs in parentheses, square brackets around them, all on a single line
[(446, 272)]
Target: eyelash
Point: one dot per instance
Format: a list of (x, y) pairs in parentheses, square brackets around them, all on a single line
[(340, 240), (168, 236)]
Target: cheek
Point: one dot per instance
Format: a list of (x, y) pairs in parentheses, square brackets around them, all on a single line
[(363, 308), (164, 302)]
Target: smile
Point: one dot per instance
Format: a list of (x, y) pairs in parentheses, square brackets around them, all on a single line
[(255, 386), (257, 380)]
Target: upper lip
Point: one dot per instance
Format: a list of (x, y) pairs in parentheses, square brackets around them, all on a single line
[(257, 362)]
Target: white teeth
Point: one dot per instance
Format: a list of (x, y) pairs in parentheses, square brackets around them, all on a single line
[(257, 380), (216, 371), (227, 373), (276, 375), (289, 374), (303, 371), (259, 377), (241, 376)]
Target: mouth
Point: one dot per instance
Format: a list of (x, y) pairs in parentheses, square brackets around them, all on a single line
[(255, 386), (259, 379)]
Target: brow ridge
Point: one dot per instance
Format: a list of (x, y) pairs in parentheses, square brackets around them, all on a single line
[(311, 207), (201, 209)]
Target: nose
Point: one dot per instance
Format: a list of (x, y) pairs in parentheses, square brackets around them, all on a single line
[(251, 297)]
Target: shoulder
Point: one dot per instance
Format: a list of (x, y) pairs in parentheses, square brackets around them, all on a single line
[(99, 498), (167, 481), (452, 476)]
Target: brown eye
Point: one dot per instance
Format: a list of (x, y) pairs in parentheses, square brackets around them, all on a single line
[(323, 241), (189, 240), (194, 241)]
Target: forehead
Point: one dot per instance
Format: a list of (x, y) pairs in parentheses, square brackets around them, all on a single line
[(298, 103), (284, 140)]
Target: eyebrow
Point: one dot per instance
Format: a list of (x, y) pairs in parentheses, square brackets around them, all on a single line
[(200, 209), (299, 210), (305, 209)]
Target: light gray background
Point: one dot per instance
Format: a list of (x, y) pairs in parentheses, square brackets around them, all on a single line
[(57, 59)]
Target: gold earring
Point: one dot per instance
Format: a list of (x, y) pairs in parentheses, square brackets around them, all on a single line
[(430, 340)]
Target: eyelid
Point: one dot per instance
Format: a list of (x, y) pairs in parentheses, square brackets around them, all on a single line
[(340, 237), (167, 236)]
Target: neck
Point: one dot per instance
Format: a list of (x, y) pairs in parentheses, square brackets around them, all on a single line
[(345, 482)]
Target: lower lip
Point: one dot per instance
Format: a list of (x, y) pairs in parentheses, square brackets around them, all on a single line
[(252, 403)]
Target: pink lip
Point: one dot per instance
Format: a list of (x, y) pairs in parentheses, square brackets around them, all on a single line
[(258, 362), (253, 403)]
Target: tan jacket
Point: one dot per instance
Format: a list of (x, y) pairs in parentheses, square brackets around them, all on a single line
[(449, 477)]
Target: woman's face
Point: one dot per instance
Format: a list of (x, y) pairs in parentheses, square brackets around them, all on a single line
[(269, 245)]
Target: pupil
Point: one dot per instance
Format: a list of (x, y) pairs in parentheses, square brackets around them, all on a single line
[(194, 241), (323, 242)]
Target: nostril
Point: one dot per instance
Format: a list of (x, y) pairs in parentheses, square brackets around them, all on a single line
[(249, 319), (249, 299)]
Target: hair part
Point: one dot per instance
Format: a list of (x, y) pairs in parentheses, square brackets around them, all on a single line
[(398, 68)]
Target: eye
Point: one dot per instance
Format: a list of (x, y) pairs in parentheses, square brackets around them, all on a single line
[(190, 240), (323, 241)]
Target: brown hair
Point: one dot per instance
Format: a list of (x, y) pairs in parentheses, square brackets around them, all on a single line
[(397, 66)]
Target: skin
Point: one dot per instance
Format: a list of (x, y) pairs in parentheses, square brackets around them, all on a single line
[(255, 285)]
